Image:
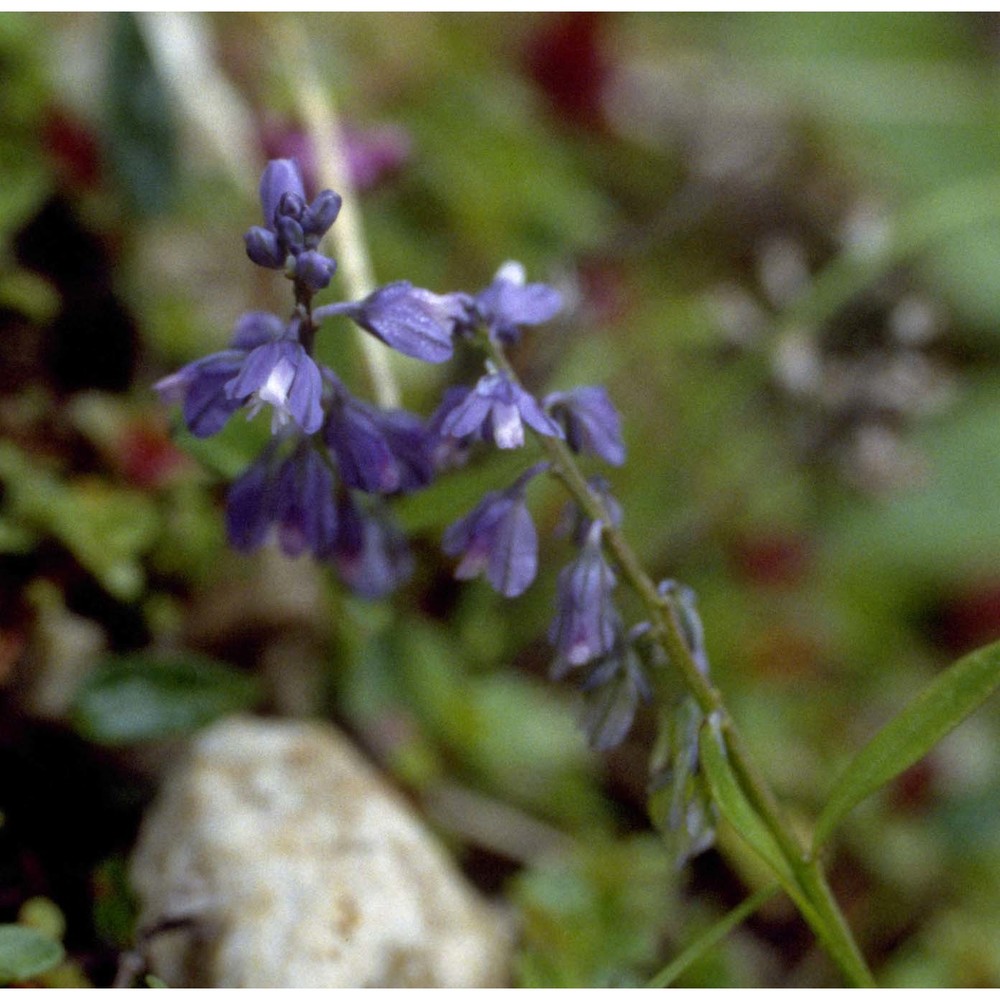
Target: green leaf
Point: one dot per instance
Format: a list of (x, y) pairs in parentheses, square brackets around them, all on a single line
[(735, 807), (594, 916), (141, 137), (133, 698), (25, 953), (807, 894), (941, 706), (711, 937), (107, 528)]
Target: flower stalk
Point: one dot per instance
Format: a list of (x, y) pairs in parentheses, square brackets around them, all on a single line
[(667, 631)]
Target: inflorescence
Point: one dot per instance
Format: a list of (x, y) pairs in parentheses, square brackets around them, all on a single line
[(320, 484)]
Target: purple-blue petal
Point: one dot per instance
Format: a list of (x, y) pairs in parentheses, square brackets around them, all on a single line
[(305, 508), (584, 626), (592, 423), (370, 552), (200, 388), (535, 417), (263, 247), (321, 214), (314, 270), (257, 369), (305, 398), (514, 558), (279, 178), (411, 320), (363, 455), (466, 416), (250, 506), (255, 328), (498, 538), (505, 303)]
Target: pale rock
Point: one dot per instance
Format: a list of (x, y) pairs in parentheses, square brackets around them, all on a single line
[(298, 866)]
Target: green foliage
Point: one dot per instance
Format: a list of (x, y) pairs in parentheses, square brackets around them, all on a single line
[(26, 953), (140, 135), (941, 706), (594, 918), (740, 813), (106, 527), (134, 698)]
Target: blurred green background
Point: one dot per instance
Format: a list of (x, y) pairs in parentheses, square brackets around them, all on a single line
[(779, 238)]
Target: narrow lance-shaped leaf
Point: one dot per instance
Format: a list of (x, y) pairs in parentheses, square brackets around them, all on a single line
[(736, 808), (710, 938), (741, 815), (941, 706)]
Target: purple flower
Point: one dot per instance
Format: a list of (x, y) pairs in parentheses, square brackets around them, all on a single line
[(509, 303), (412, 320), (370, 552), (295, 495), (497, 538), (496, 409), (281, 374), (201, 387), (378, 451), (586, 622), (292, 228), (591, 421)]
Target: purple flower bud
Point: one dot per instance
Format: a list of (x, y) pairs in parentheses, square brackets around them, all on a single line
[(378, 451), (290, 235), (295, 495), (320, 215), (280, 177), (292, 206), (314, 270), (414, 321), (612, 693), (292, 228), (497, 409), (497, 538), (586, 622), (281, 374), (591, 421), (508, 303), (264, 248), (370, 552)]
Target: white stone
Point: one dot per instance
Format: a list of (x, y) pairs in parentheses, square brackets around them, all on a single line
[(300, 867)]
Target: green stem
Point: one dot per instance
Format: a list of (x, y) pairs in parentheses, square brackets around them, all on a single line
[(666, 629)]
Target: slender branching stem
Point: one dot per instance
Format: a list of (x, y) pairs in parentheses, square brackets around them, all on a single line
[(666, 630)]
